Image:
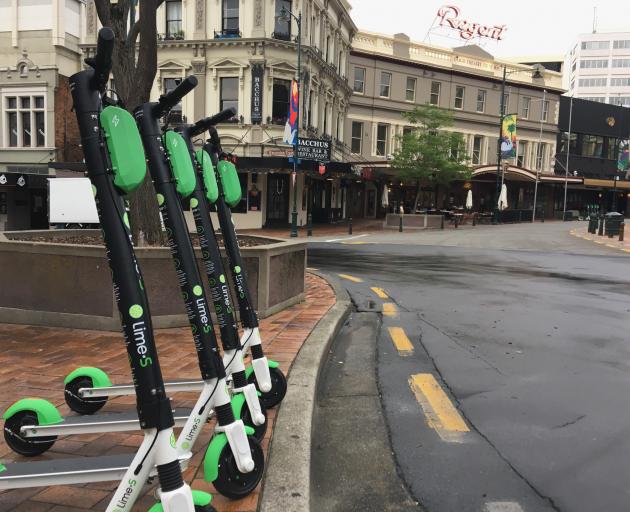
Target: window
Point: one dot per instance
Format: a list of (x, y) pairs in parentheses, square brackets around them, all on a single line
[(621, 101), (621, 44), (593, 146), (26, 121), (174, 19), (572, 146), (410, 92), (620, 82), (610, 148), (357, 137), (241, 207), (594, 63), (230, 17), (520, 154), (381, 139), (506, 104), (545, 110), (540, 155), (595, 45), (434, 99), (169, 85), (359, 80), (229, 95), (459, 97), (476, 152), (481, 100), (525, 110), (598, 99), (621, 63), (327, 48), (282, 29), (280, 102), (386, 82), (592, 82)]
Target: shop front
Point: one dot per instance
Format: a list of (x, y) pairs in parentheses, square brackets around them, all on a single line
[(23, 199)]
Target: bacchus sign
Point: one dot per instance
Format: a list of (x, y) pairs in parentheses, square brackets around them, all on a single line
[(314, 149), (449, 17)]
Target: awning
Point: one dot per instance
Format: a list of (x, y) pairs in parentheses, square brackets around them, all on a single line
[(606, 183)]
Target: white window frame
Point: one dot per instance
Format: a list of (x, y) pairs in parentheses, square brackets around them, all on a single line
[(463, 97), (472, 153), (354, 83), (388, 85), (376, 139), (439, 93), (483, 101), (413, 90), (17, 93), (527, 102), (352, 137), (545, 111)]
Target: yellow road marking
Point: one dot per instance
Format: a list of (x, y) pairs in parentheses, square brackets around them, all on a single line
[(440, 413), (380, 292), (625, 250), (400, 340), (390, 309), (351, 278)]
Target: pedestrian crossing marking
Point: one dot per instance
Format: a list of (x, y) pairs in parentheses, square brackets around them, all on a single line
[(351, 278), (400, 341), (380, 292), (390, 309), (502, 506), (439, 411)]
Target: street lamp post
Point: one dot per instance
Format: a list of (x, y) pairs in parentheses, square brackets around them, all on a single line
[(614, 201), (539, 143), (294, 214)]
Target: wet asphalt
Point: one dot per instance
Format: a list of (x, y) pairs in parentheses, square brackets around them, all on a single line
[(531, 347)]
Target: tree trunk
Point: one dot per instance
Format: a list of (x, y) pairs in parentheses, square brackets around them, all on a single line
[(133, 77)]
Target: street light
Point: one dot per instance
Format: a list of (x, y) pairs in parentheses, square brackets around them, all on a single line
[(536, 74), (286, 15), (538, 149), (614, 201)]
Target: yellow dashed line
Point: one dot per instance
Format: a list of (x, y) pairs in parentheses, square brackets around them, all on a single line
[(380, 292), (401, 341), (390, 309), (351, 278), (439, 411)]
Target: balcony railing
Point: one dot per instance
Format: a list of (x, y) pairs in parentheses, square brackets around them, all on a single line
[(227, 34), (175, 36), (282, 36)]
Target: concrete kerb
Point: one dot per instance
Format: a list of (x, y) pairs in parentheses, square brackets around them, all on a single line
[(288, 474)]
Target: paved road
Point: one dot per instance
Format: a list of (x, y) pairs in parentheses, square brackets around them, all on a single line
[(504, 374)]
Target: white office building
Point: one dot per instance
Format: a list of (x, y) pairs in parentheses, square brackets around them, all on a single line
[(598, 68)]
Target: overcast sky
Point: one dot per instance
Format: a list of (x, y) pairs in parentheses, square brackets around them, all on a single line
[(534, 27)]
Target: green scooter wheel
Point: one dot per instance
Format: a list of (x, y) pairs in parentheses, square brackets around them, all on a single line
[(79, 404), (29, 447), (233, 484), (259, 430), (278, 388)]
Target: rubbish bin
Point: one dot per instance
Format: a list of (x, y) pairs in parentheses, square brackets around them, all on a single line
[(612, 223), (592, 223)]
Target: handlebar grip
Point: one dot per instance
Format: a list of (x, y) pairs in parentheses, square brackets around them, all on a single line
[(169, 100), (102, 62), (204, 124), (214, 139)]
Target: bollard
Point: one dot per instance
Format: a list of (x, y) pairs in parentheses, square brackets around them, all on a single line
[(442, 223), (622, 226), (600, 231), (309, 225), (349, 225), (542, 216), (400, 223), (474, 219)]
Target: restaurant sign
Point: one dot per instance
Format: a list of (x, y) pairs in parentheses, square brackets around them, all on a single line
[(314, 149), (449, 17)]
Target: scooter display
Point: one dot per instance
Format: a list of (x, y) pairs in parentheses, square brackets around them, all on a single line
[(115, 160), (266, 375)]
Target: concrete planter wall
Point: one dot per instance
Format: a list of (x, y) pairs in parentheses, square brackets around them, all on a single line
[(66, 285), (414, 221)]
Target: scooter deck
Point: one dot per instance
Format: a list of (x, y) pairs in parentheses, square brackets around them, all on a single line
[(129, 389), (65, 471), (102, 423)]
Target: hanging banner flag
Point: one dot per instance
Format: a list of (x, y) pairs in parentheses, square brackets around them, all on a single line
[(508, 136), (290, 129), (623, 163)]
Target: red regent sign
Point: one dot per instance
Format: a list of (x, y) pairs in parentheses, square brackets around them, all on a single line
[(449, 17)]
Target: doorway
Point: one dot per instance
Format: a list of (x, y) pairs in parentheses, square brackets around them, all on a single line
[(277, 199)]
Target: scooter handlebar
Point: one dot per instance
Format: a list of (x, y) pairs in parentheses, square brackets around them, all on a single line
[(169, 100), (102, 62), (205, 124)]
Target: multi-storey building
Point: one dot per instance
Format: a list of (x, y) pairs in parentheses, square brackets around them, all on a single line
[(40, 50), (244, 55), (598, 68), (391, 75)]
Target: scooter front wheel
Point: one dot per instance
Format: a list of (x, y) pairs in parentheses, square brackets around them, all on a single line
[(29, 447), (278, 388), (233, 484), (259, 430), (78, 403)]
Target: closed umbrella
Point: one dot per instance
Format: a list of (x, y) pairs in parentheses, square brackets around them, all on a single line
[(385, 197), (469, 202), (503, 199)]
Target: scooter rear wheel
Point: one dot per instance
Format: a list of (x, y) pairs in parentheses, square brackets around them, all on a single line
[(29, 447), (79, 404), (233, 484), (205, 508), (278, 388), (259, 430)]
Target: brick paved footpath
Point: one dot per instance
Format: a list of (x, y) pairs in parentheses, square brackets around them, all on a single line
[(34, 361), (613, 243)]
